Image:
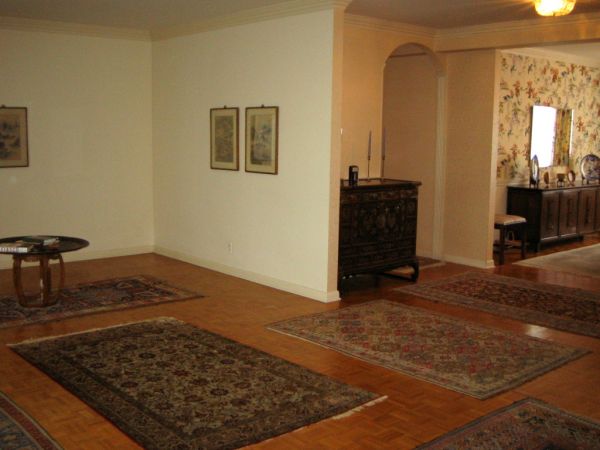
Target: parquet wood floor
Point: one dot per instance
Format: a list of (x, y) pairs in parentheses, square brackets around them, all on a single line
[(414, 412)]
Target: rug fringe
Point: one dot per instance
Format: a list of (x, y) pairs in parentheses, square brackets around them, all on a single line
[(359, 408), (338, 417), (91, 330)]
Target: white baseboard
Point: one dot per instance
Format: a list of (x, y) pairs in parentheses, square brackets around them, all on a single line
[(83, 255), (480, 264), (276, 283)]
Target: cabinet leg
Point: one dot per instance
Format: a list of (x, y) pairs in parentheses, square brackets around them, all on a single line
[(502, 245), (524, 242), (415, 275)]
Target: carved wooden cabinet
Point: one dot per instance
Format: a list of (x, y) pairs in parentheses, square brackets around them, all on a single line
[(555, 213), (378, 226)]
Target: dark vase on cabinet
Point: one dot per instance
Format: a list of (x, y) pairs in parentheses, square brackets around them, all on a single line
[(378, 226)]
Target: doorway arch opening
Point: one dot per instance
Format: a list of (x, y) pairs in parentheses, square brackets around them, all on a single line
[(413, 122)]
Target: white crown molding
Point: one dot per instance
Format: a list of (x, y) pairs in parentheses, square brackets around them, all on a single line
[(554, 56), (542, 23), (289, 8), (586, 26), (48, 26), (388, 25)]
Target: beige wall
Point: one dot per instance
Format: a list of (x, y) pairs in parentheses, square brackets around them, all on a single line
[(90, 140), (470, 156), (95, 105), (409, 119), (366, 51), (278, 225)]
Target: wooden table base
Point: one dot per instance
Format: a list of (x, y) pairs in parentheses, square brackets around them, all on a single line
[(46, 296)]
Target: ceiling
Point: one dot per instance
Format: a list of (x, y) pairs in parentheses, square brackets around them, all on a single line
[(455, 13), (152, 15), (155, 14)]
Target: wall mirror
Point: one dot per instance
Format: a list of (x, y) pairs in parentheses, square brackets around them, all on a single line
[(551, 130)]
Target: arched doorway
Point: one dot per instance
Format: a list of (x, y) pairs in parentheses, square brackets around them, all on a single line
[(413, 129)]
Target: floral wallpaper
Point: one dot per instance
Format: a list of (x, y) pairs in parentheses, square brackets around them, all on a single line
[(526, 81)]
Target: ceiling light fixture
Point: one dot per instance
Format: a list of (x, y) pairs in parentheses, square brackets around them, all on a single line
[(554, 7)]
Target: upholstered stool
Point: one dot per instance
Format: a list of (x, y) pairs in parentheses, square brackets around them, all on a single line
[(504, 223)]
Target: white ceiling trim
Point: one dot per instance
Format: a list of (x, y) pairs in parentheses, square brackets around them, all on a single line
[(388, 25), (48, 26), (540, 24), (554, 56), (290, 8), (576, 28)]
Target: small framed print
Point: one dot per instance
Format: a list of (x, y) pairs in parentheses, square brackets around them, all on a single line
[(261, 139), (14, 149), (224, 139)]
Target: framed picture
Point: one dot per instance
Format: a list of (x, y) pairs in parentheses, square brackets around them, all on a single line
[(261, 139), (224, 140), (14, 151)]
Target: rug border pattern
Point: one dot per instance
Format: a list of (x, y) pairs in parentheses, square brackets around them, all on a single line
[(525, 378), (429, 292), (131, 427), (497, 412), (187, 295), (27, 424)]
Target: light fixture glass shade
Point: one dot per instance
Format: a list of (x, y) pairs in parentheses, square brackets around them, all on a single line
[(554, 7)]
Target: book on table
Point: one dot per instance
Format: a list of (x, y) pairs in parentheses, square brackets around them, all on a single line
[(16, 247), (41, 240)]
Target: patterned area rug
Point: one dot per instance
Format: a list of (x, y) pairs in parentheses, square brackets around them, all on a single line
[(170, 385), (527, 425), (568, 309), (452, 353), (18, 431), (99, 296), (580, 261)]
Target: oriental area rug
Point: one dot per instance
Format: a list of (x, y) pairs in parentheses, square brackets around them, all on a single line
[(170, 385), (452, 353), (580, 261), (19, 431), (527, 425), (568, 309), (98, 296)]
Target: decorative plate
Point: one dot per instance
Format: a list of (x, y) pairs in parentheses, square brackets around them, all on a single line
[(590, 167), (534, 170)]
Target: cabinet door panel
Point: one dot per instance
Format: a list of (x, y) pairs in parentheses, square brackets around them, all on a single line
[(568, 213), (587, 210), (549, 216)]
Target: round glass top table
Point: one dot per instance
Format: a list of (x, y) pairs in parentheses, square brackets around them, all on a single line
[(43, 255)]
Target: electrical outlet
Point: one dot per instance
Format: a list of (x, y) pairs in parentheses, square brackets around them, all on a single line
[(230, 247)]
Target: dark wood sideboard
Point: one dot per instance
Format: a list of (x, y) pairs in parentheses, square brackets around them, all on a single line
[(378, 226), (556, 213)]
